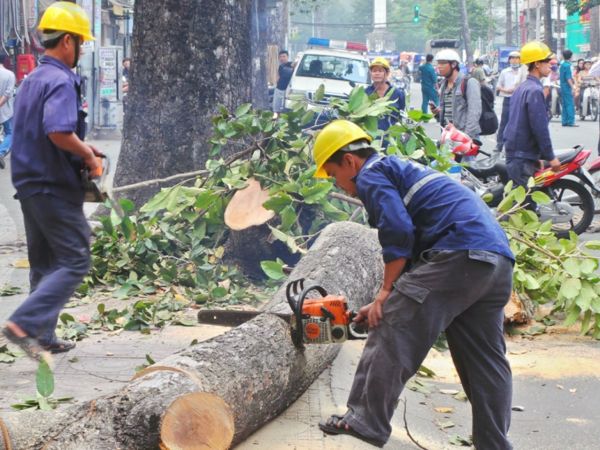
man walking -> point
(460, 98)
(284, 75)
(527, 136)
(47, 158)
(7, 89)
(567, 85)
(428, 84)
(508, 81)
(448, 267)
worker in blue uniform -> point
(526, 136)
(448, 267)
(381, 87)
(48, 156)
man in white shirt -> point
(508, 81)
(7, 87)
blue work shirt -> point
(442, 214)
(565, 75)
(428, 77)
(48, 101)
(396, 96)
(526, 134)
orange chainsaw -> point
(321, 320)
(94, 182)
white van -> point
(338, 70)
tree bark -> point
(509, 26)
(254, 368)
(260, 94)
(188, 56)
(466, 31)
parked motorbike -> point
(571, 207)
(594, 170)
(590, 97)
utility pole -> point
(466, 31)
(509, 25)
(558, 29)
(548, 23)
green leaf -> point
(571, 266)
(586, 295)
(319, 93)
(588, 266)
(243, 109)
(273, 269)
(278, 202)
(218, 292)
(570, 288)
(593, 245)
(540, 197)
(44, 379)
(415, 114)
(572, 316)
(288, 217)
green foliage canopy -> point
(445, 21)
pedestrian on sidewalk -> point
(508, 81)
(284, 75)
(7, 90)
(448, 267)
(428, 84)
(567, 85)
(47, 159)
(527, 135)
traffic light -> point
(416, 11)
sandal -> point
(336, 425)
(28, 344)
(58, 346)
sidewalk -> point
(556, 376)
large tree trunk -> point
(509, 26)
(253, 371)
(188, 56)
(260, 22)
(466, 31)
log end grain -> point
(197, 421)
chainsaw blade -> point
(233, 318)
(95, 187)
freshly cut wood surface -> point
(246, 209)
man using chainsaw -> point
(448, 267)
(48, 156)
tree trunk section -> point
(254, 368)
(260, 93)
(188, 56)
(466, 31)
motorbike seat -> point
(565, 155)
(498, 168)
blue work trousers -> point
(568, 106)
(463, 293)
(7, 141)
(429, 93)
(58, 238)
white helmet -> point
(447, 55)
(514, 54)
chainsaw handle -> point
(357, 331)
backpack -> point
(488, 122)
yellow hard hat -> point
(67, 17)
(332, 138)
(380, 61)
(535, 51)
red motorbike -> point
(571, 207)
(594, 170)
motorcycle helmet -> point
(447, 55)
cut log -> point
(253, 368)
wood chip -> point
(444, 409)
(449, 391)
